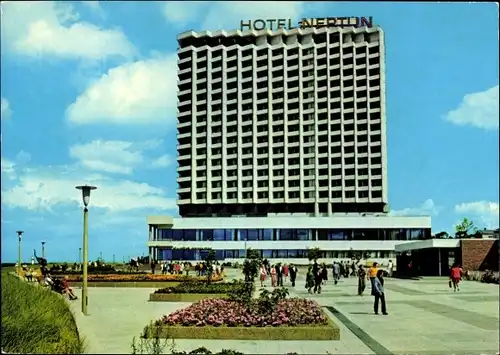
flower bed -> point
(195, 291)
(292, 319)
(183, 297)
(137, 278)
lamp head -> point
(19, 233)
(43, 243)
(86, 193)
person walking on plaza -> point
(336, 272)
(293, 274)
(153, 266)
(378, 285)
(372, 274)
(285, 272)
(390, 268)
(361, 280)
(324, 274)
(262, 275)
(317, 278)
(279, 275)
(310, 279)
(274, 278)
(455, 277)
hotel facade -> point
(281, 141)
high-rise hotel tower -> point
(282, 147)
(281, 122)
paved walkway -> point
(424, 317)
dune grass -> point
(36, 320)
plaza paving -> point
(425, 316)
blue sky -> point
(88, 96)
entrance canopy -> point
(427, 244)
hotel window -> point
(223, 234)
(190, 235)
(207, 234)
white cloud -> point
(5, 110)
(428, 208)
(23, 157)
(44, 188)
(49, 28)
(485, 214)
(181, 13)
(134, 93)
(227, 15)
(162, 162)
(478, 109)
(118, 157)
(8, 168)
(95, 7)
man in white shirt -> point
(390, 268)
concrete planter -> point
(322, 332)
(182, 297)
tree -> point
(209, 261)
(465, 229)
(442, 235)
(314, 254)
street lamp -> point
(86, 199)
(80, 256)
(43, 249)
(19, 267)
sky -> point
(88, 96)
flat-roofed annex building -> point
(281, 122)
(284, 239)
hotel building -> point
(282, 147)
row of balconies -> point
(201, 53)
(273, 199)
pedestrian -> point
(318, 279)
(378, 285)
(336, 272)
(279, 275)
(263, 275)
(390, 268)
(361, 280)
(153, 266)
(285, 272)
(372, 274)
(309, 279)
(293, 274)
(324, 274)
(342, 269)
(455, 277)
(274, 277)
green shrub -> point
(203, 287)
(36, 320)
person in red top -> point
(455, 276)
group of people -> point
(59, 285)
(178, 268)
(278, 273)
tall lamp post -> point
(43, 249)
(80, 256)
(19, 236)
(86, 199)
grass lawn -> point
(36, 321)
